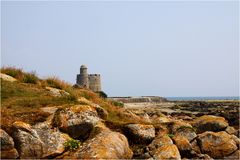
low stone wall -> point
(154, 99)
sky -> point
(158, 48)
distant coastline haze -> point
(158, 48)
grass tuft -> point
(57, 83)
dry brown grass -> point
(56, 83)
(20, 75)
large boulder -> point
(102, 113)
(183, 145)
(28, 143)
(6, 77)
(160, 140)
(57, 92)
(139, 133)
(167, 152)
(233, 156)
(216, 145)
(210, 123)
(53, 140)
(103, 144)
(187, 132)
(162, 147)
(77, 121)
(38, 141)
(174, 126)
(7, 146)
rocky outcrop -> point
(6, 77)
(102, 113)
(57, 92)
(162, 147)
(187, 132)
(77, 121)
(216, 145)
(231, 130)
(139, 133)
(28, 143)
(176, 125)
(39, 141)
(53, 140)
(183, 145)
(7, 146)
(167, 152)
(210, 123)
(103, 144)
(234, 156)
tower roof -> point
(83, 66)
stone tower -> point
(94, 82)
(89, 81)
(82, 78)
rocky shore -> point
(89, 127)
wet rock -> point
(6, 77)
(216, 145)
(77, 121)
(7, 146)
(210, 123)
(140, 133)
(105, 144)
(28, 143)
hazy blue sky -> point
(139, 48)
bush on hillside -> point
(102, 94)
(57, 83)
(30, 78)
(20, 75)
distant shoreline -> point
(202, 98)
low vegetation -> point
(72, 144)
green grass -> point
(170, 135)
(72, 144)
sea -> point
(202, 98)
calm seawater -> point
(202, 98)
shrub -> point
(57, 83)
(170, 135)
(102, 94)
(30, 78)
(12, 71)
(116, 103)
(72, 144)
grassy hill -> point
(23, 99)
